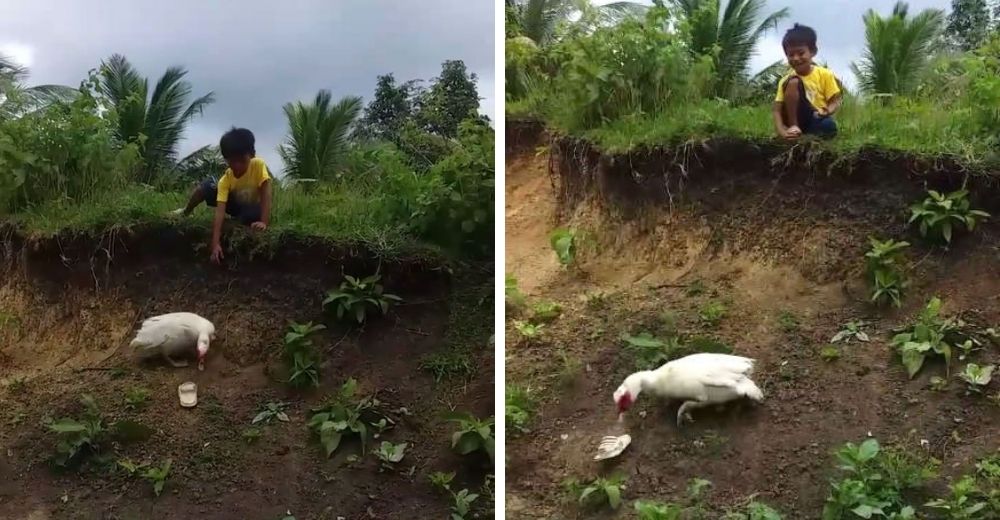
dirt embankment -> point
(777, 238)
(70, 305)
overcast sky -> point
(839, 27)
(256, 55)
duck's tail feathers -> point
(748, 388)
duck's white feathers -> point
(704, 377)
(174, 334)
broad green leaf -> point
(868, 449)
(66, 426)
(912, 360)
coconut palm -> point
(729, 35)
(156, 122)
(898, 49)
(538, 19)
(12, 77)
(319, 134)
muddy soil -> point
(782, 251)
(70, 306)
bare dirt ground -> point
(67, 319)
(784, 259)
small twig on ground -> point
(415, 331)
(341, 340)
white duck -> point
(174, 334)
(699, 380)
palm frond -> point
(319, 135)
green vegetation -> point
(542, 312)
(300, 356)
(343, 415)
(157, 476)
(937, 215)
(105, 156)
(390, 454)
(271, 411)
(596, 78)
(563, 242)
(136, 398)
(513, 297)
(519, 405)
(651, 352)
(852, 330)
(598, 493)
(788, 321)
(884, 266)
(357, 297)
(829, 353)
(79, 437)
(473, 434)
(976, 376)
(929, 335)
(529, 331)
(693, 508)
(712, 312)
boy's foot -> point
(180, 211)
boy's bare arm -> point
(834, 104)
(779, 124)
(265, 203)
(220, 216)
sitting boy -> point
(243, 192)
(808, 95)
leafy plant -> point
(649, 351)
(452, 362)
(299, 355)
(600, 492)
(963, 502)
(656, 511)
(357, 296)
(712, 312)
(563, 242)
(542, 312)
(976, 376)
(136, 398)
(158, 476)
(788, 321)
(512, 294)
(389, 454)
(528, 331)
(938, 214)
(927, 336)
(695, 288)
(851, 330)
(519, 405)
(938, 383)
(462, 504)
(79, 437)
(343, 415)
(873, 482)
(270, 411)
(441, 480)
(251, 435)
(472, 435)
(829, 353)
(884, 268)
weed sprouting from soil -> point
(473, 434)
(342, 415)
(520, 404)
(358, 297)
(544, 312)
(788, 321)
(850, 331)
(977, 377)
(390, 454)
(712, 312)
(563, 242)
(928, 335)
(300, 356)
(82, 436)
(885, 271)
(136, 398)
(938, 214)
(598, 493)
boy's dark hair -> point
(237, 142)
(798, 36)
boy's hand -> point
(822, 112)
(792, 132)
(216, 254)
(258, 226)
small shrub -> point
(563, 242)
(964, 501)
(977, 377)
(884, 269)
(452, 362)
(271, 411)
(829, 353)
(543, 312)
(343, 415)
(874, 481)
(441, 480)
(711, 313)
(513, 296)
(462, 504)
(788, 321)
(157, 476)
(390, 454)
(519, 405)
(472, 435)
(851, 330)
(647, 510)
(599, 493)
(79, 437)
(136, 398)
(927, 336)
(938, 214)
(356, 298)
(251, 435)
(299, 355)
(528, 331)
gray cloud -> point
(256, 55)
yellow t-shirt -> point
(821, 86)
(245, 189)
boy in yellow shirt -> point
(243, 192)
(808, 95)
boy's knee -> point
(792, 84)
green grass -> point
(336, 215)
(918, 127)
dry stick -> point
(341, 340)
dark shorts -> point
(246, 213)
(809, 122)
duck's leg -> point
(177, 364)
(684, 412)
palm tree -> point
(12, 77)
(155, 122)
(318, 135)
(730, 36)
(898, 49)
(538, 19)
